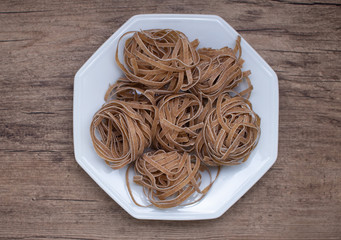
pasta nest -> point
(178, 122)
(160, 59)
(231, 131)
(169, 178)
(122, 134)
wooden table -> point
(44, 194)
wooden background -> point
(44, 194)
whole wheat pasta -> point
(160, 59)
(220, 71)
(122, 133)
(125, 90)
(143, 101)
(178, 122)
(169, 178)
(231, 131)
(175, 114)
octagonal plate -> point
(94, 77)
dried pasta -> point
(221, 69)
(123, 135)
(169, 178)
(160, 59)
(178, 126)
(175, 115)
(231, 131)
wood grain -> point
(44, 194)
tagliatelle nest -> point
(220, 71)
(231, 131)
(143, 101)
(169, 178)
(122, 133)
(160, 59)
(179, 126)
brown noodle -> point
(169, 178)
(183, 103)
(231, 131)
(178, 128)
(221, 70)
(123, 134)
(160, 59)
(143, 101)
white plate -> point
(94, 77)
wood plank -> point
(44, 194)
